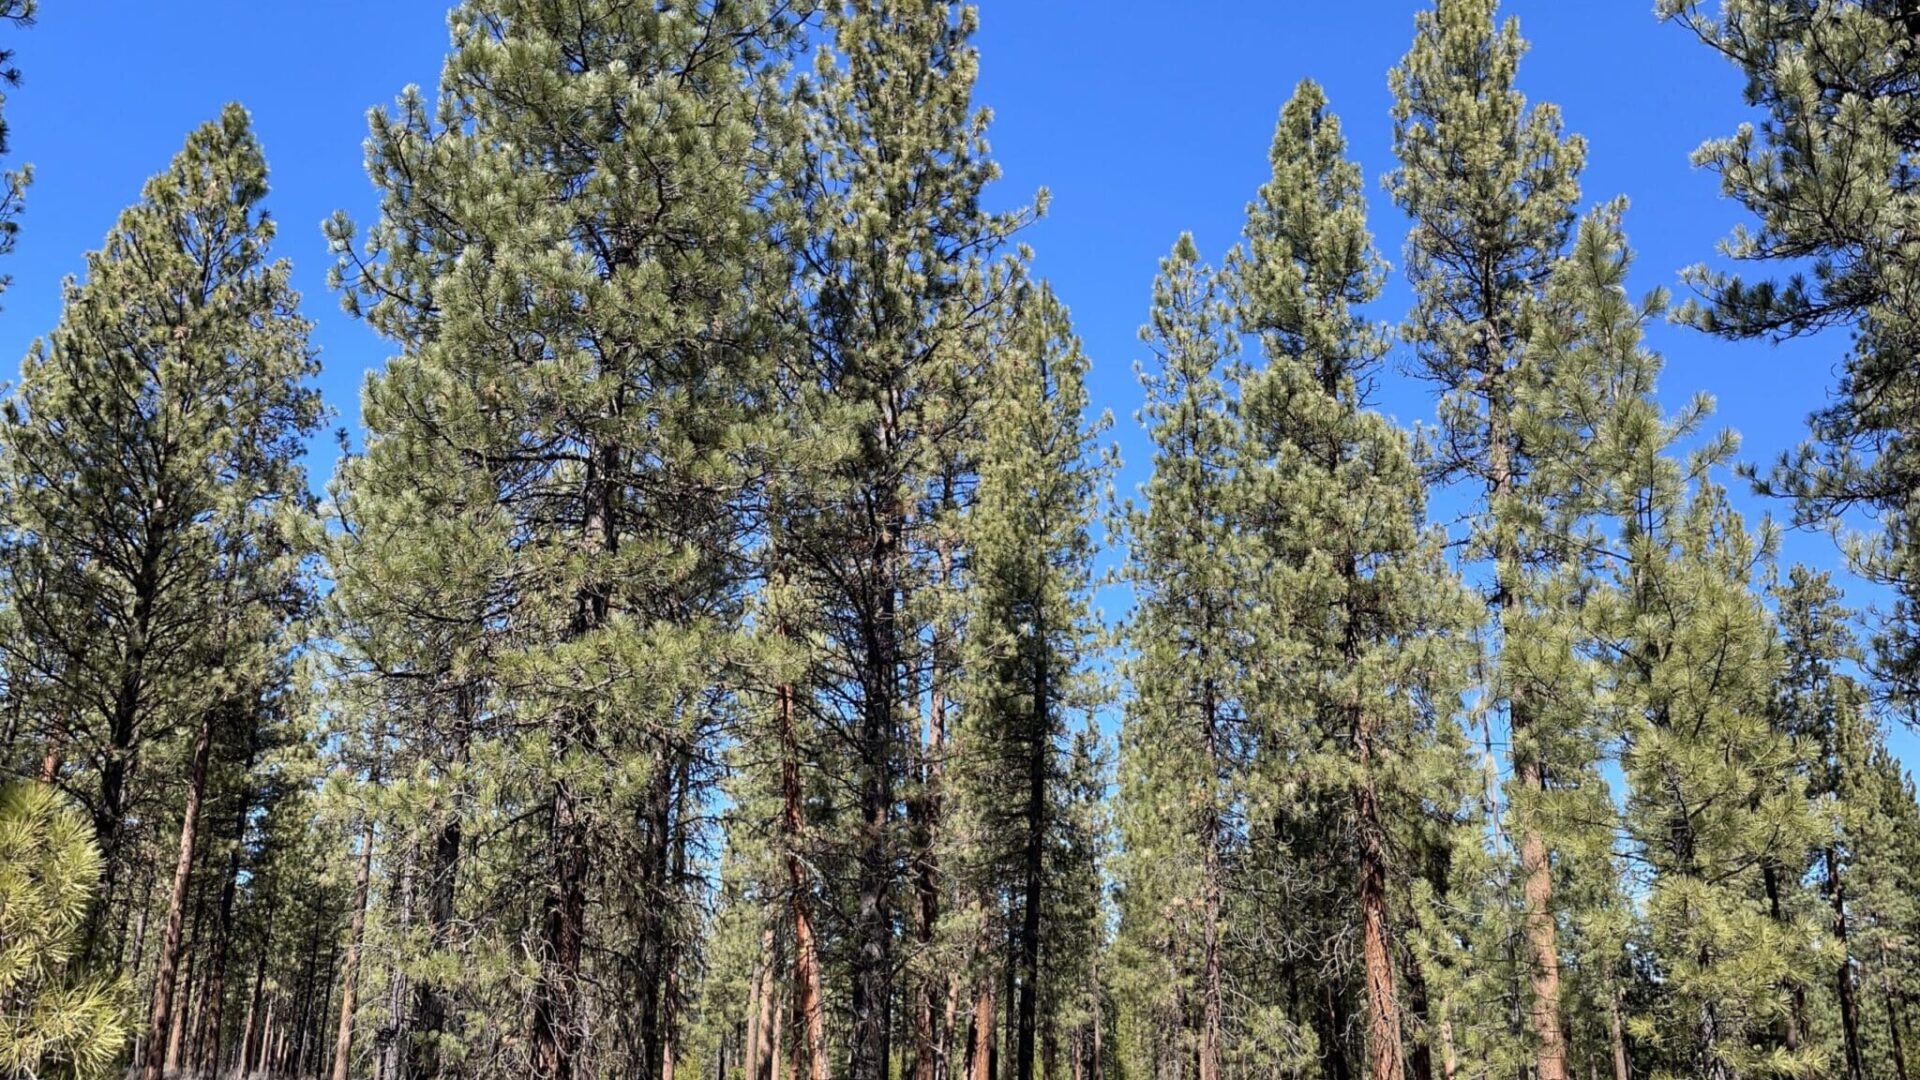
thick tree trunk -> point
(980, 1050)
(350, 977)
(160, 1016)
(1384, 1058)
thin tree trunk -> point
(191, 946)
(1210, 899)
(1843, 974)
(160, 1016)
(1617, 1036)
(1893, 1032)
(760, 1006)
(806, 960)
(432, 1006)
(1040, 745)
(777, 1064)
(929, 1056)
(350, 975)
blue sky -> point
(1144, 119)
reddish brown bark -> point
(160, 1016)
(812, 1044)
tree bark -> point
(1039, 757)
(557, 1007)
(1617, 1036)
(812, 1040)
(160, 1016)
(1843, 974)
(980, 1046)
(1384, 1058)
(350, 973)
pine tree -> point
(1183, 747)
(13, 183)
(1362, 627)
(49, 869)
(895, 271)
(1032, 634)
(1490, 185)
(566, 252)
(1715, 799)
(1827, 174)
(153, 484)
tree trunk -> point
(192, 946)
(1893, 1032)
(1843, 974)
(557, 1007)
(160, 1016)
(432, 1005)
(1384, 1060)
(760, 1010)
(1210, 899)
(123, 729)
(812, 1033)
(980, 1045)
(350, 975)
(1617, 1036)
(929, 1042)
(873, 920)
(1040, 745)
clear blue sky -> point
(1143, 119)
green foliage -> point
(49, 870)
(1827, 173)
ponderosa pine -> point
(152, 481)
(1489, 184)
(565, 255)
(1827, 173)
(1363, 628)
